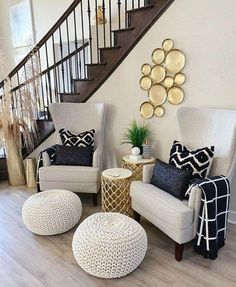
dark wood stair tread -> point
(110, 48)
(83, 80)
(124, 29)
(140, 9)
(96, 64)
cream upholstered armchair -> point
(198, 127)
(76, 118)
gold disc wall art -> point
(163, 79)
(157, 94)
(175, 95)
(175, 61)
(147, 110)
(146, 69)
(158, 56)
(159, 111)
(179, 79)
(158, 74)
(167, 45)
(145, 83)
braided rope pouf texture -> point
(51, 212)
(109, 245)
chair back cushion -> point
(79, 117)
(210, 127)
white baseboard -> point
(232, 217)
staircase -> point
(80, 52)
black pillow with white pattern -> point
(84, 139)
(198, 161)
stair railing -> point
(64, 53)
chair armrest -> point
(97, 158)
(147, 172)
(46, 159)
(195, 203)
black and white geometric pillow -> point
(198, 161)
(83, 139)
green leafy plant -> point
(137, 134)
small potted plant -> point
(137, 134)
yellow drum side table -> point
(116, 191)
(136, 166)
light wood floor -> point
(35, 261)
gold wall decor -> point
(163, 79)
(100, 18)
(147, 110)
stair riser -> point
(95, 72)
(70, 99)
(124, 37)
(109, 56)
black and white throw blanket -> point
(213, 215)
(51, 151)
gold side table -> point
(116, 191)
(136, 166)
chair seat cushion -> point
(68, 173)
(162, 205)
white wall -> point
(205, 31)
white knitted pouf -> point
(109, 245)
(51, 212)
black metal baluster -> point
(69, 61)
(110, 25)
(126, 17)
(83, 40)
(62, 66)
(54, 70)
(76, 47)
(97, 37)
(80, 65)
(47, 92)
(41, 83)
(132, 4)
(90, 33)
(104, 22)
(118, 5)
(49, 77)
(138, 3)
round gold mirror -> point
(167, 45)
(158, 74)
(159, 112)
(175, 95)
(175, 61)
(168, 82)
(179, 79)
(157, 94)
(147, 110)
(158, 56)
(146, 69)
(145, 83)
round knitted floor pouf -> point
(52, 212)
(109, 245)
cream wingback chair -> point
(198, 127)
(76, 118)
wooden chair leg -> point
(95, 199)
(137, 216)
(179, 249)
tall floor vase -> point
(15, 166)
